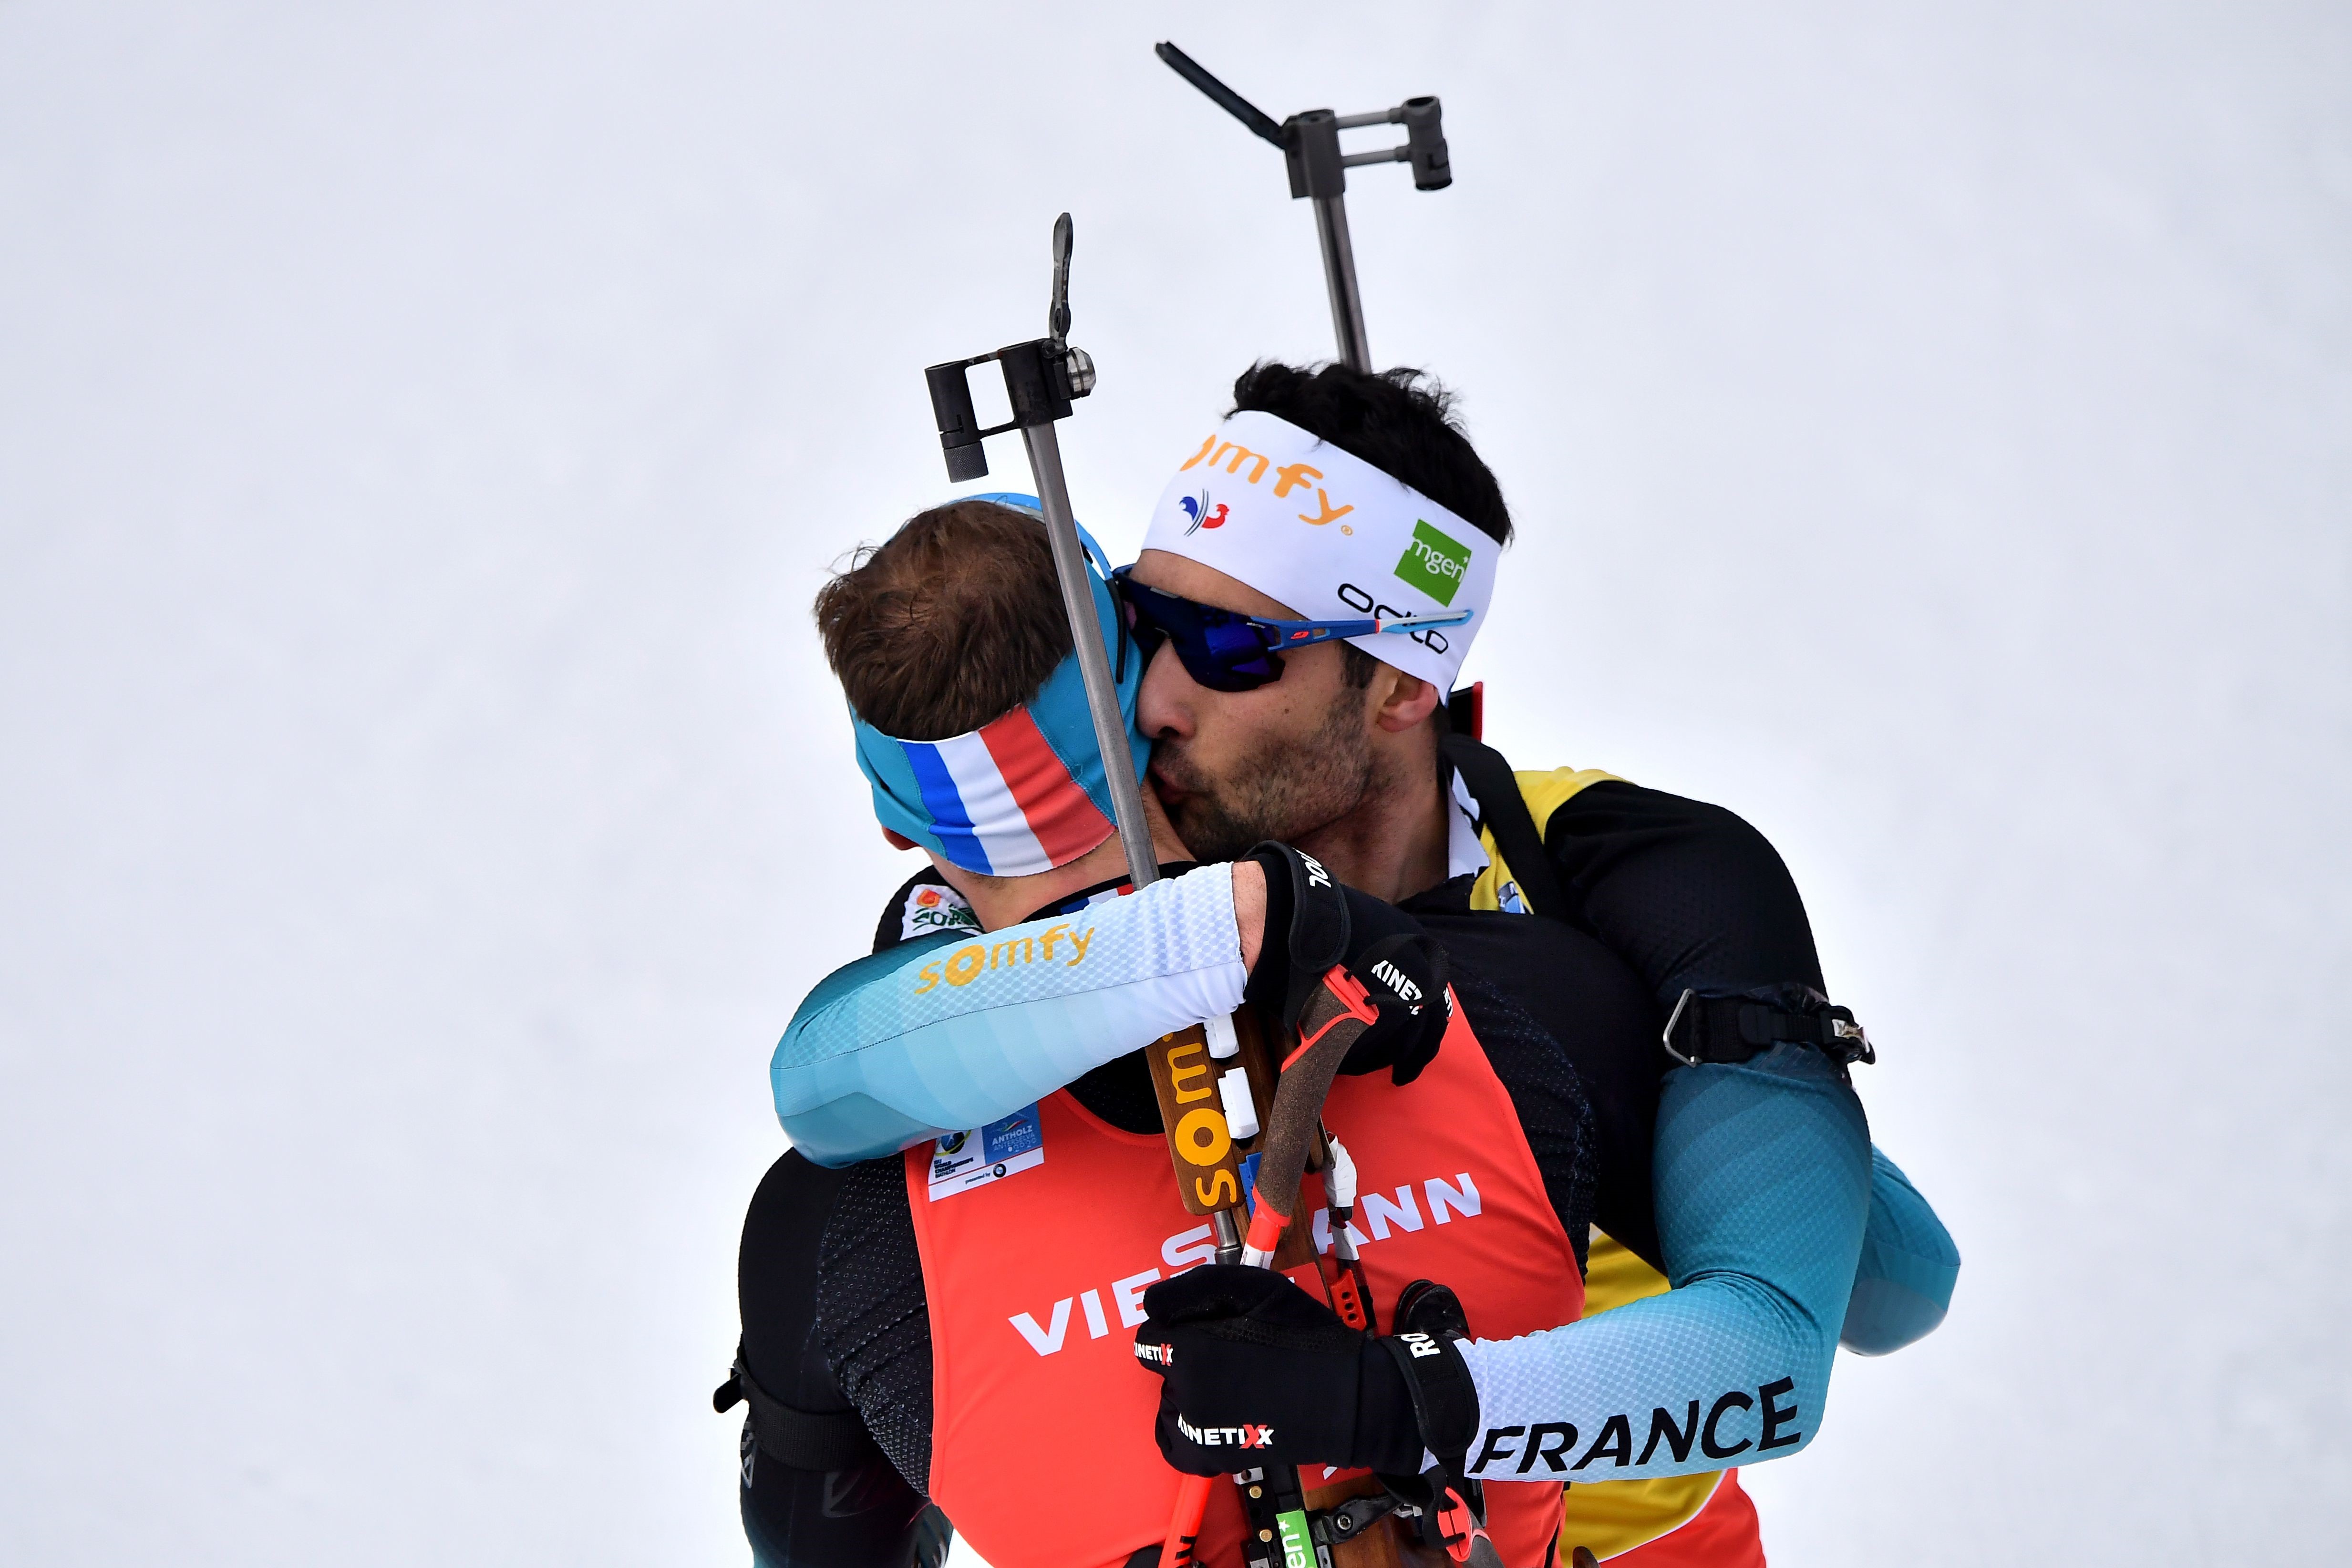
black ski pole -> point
(1319, 170)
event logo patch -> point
(1434, 563)
(932, 907)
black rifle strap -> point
(1710, 1028)
(821, 1441)
(1715, 1028)
(1503, 812)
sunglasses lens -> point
(1232, 658)
(1219, 649)
(1146, 631)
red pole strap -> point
(1266, 1227)
(1355, 1002)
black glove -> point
(1312, 922)
(1255, 1371)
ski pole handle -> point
(1335, 1017)
(1340, 1012)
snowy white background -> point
(422, 427)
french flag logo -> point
(1002, 802)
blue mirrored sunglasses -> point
(1225, 650)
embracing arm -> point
(1903, 1284)
(1763, 1176)
(961, 1030)
(1691, 895)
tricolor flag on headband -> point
(1026, 791)
(1002, 802)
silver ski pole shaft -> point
(1339, 276)
(1093, 659)
(1041, 378)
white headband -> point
(1331, 536)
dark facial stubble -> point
(1284, 788)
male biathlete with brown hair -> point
(1743, 1177)
(953, 1325)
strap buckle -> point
(1846, 1030)
(1666, 1037)
(1729, 1030)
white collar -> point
(1465, 855)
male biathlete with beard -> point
(953, 1325)
(1746, 1175)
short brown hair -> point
(953, 620)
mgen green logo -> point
(1434, 563)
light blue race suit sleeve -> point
(966, 1028)
(1763, 1174)
(1903, 1284)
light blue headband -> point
(1026, 791)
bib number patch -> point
(962, 1161)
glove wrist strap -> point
(1318, 935)
(1445, 1399)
